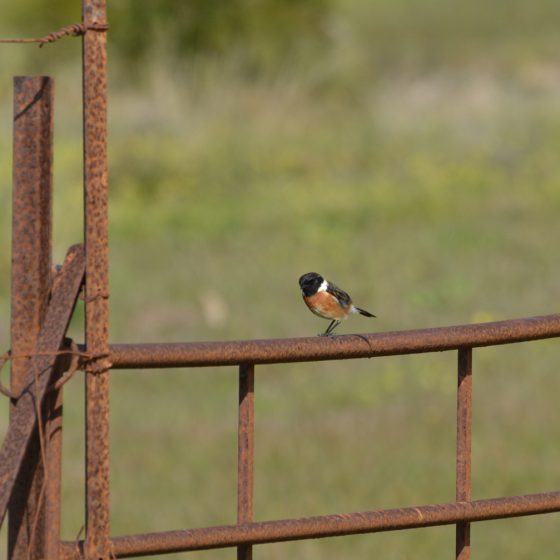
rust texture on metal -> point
(31, 267)
(24, 421)
(97, 278)
(464, 429)
(53, 440)
(199, 354)
(245, 452)
(326, 526)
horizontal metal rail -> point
(201, 354)
(325, 526)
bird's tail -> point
(364, 312)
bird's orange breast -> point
(326, 306)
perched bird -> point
(326, 300)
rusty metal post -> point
(24, 422)
(31, 273)
(97, 274)
(245, 453)
(53, 438)
(464, 425)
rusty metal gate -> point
(43, 359)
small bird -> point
(327, 300)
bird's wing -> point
(342, 297)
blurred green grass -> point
(415, 163)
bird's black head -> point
(310, 282)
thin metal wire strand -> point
(72, 30)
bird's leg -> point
(331, 327)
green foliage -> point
(39, 17)
(265, 32)
(272, 35)
(260, 33)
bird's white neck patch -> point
(323, 286)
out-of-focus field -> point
(414, 161)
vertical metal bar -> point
(31, 272)
(464, 425)
(96, 296)
(53, 438)
(245, 452)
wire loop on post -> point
(72, 30)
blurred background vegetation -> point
(406, 149)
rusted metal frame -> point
(97, 275)
(200, 354)
(23, 423)
(463, 467)
(326, 526)
(31, 279)
(245, 453)
(53, 439)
